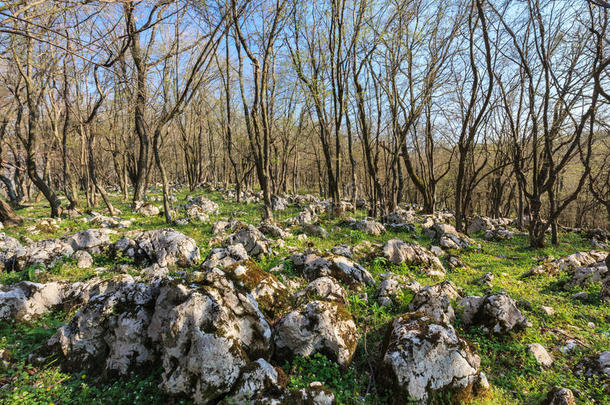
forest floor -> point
(512, 371)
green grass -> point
(513, 373)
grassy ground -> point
(513, 373)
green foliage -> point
(305, 370)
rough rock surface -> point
(251, 239)
(278, 203)
(323, 288)
(448, 237)
(398, 217)
(224, 257)
(83, 259)
(435, 302)
(166, 247)
(26, 300)
(573, 261)
(258, 379)
(273, 230)
(271, 295)
(147, 209)
(339, 267)
(498, 234)
(315, 230)
(370, 227)
(422, 357)
(45, 253)
(391, 286)
(204, 205)
(540, 354)
(398, 252)
(109, 334)
(203, 334)
(559, 396)
(221, 226)
(89, 239)
(324, 327)
(582, 276)
(495, 313)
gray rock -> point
(495, 313)
(225, 256)
(391, 286)
(435, 302)
(251, 239)
(90, 238)
(166, 247)
(421, 357)
(83, 259)
(398, 252)
(146, 209)
(315, 230)
(340, 268)
(323, 288)
(370, 227)
(559, 396)
(540, 354)
(25, 300)
(319, 326)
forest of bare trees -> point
(485, 107)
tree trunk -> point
(8, 215)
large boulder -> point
(423, 358)
(339, 267)
(568, 263)
(399, 217)
(146, 209)
(26, 300)
(435, 302)
(559, 396)
(271, 295)
(398, 252)
(89, 239)
(448, 237)
(582, 276)
(323, 288)
(496, 313)
(44, 253)
(479, 224)
(315, 230)
(278, 203)
(109, 334)
(370, 227)
(203, 335)
(392, 286)
(273, 230)
(204, 205)
(166, 247)
(225, 256)
(251, 239)
(318, 327)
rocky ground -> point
(221, 308)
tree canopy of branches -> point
(493, 107)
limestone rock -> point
(495, 313)
(251, 239)
(370, 227)
(422, 358)
(540, 354)
(225, 256)
(323, 288)
(398, 252)
(319, 326)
